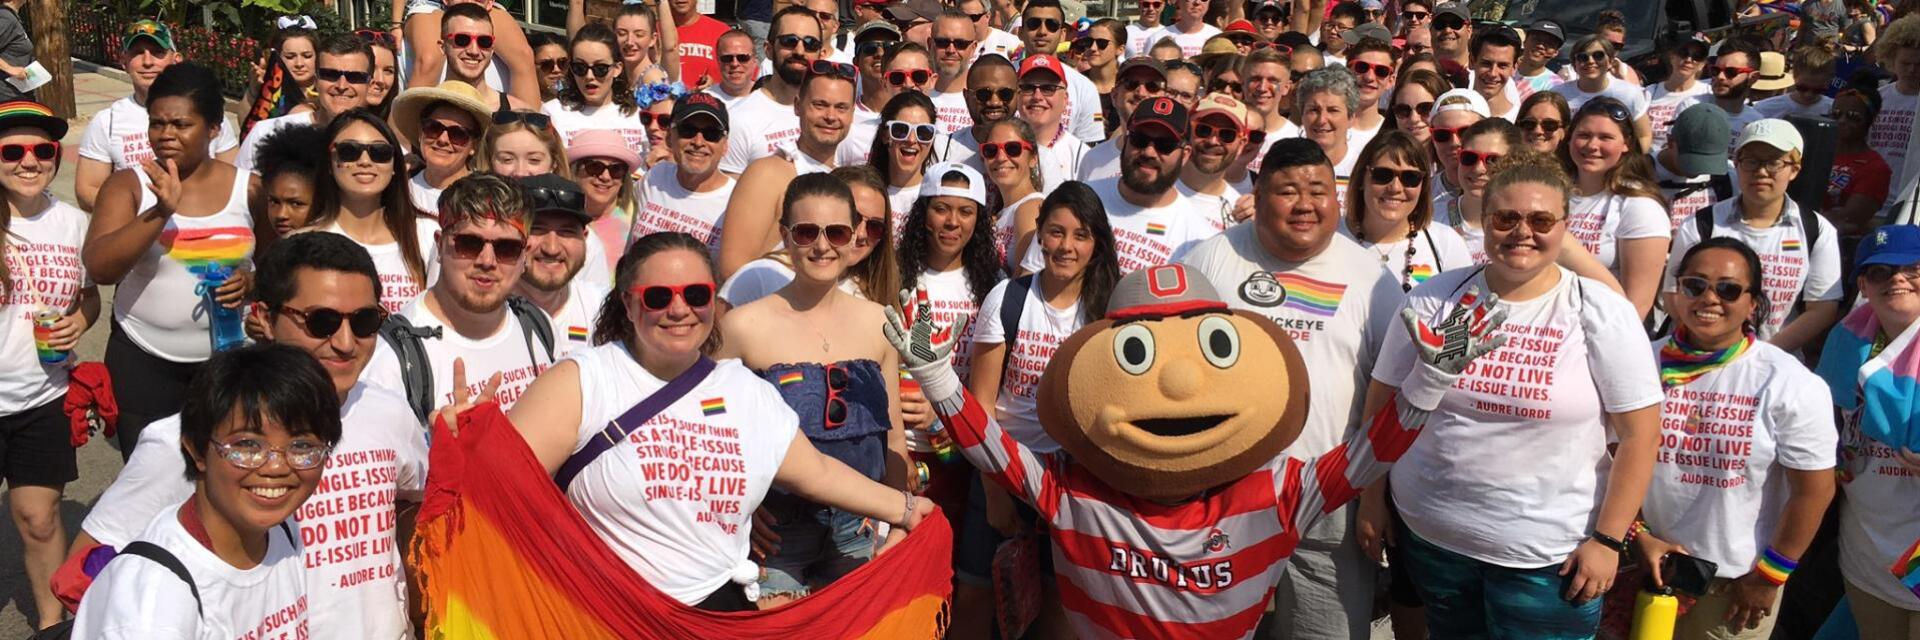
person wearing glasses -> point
(467, 43)
(1494, 53)
(816, 344)
(1452, 33)
(1345, 17)
(1530, 73)
(1013, 168)
(1514, 515)
(1221, 131)
(737, 67)
(443, 123)
(422, 60)
(1682, 89)
(116, 138)
(872, 274)
(991, 39)
(550, 57)
(233, 565)
(1138, 80)
(1099, 61)
(343, 73)
(825, 108)
(1543, 121)
(871, 44)
(1452, 113)
(1592, 64)
(906, 68)
(991, 97)
(769, 117)
(556, 253)
(384, 86)
(1154, 222)
(1391, 213)
(903, 148)
(598, 96)
(1746, 461)
(1616, 210)
(1860, 180)
(1803, 265)
(1412, 99)
(364, 196)
(319, 294)
(1813, 68)
(1043, 100)
(1141, 33)
(1733, 75)
(1043, 26)
(689, 193)
(603, 166)
(1370, 58)
(953, 53)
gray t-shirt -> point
(16, 48)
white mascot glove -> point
(924, 348)
(1466, 334)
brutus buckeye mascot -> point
(1172, 510)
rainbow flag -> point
(277, 97)
(202, 249)
(500, 553)
(1308, 295)
(1790, 244)
(1156, 229)
(577, 334)
(1907, 568)
(1421, 272)
(713, 406)
(791, 378)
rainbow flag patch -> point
(577, 334)
(1156, 229)
(791, 378)
(1790, 244)
(1311, 296)
(713, 406)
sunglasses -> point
(871, 48)
(1449, 23)
(648, 119)
(830, 68)
(41, 151)
(1850, 114)
(322, 323)
(593, 167)
(1269, 17)
(464, 40)
(248, 453)
(710, 134)
(1151, 6)
(735, 58)
(326, 74)
(467, 246)
(900, 77)
(1255, 138)
(807, 233)
(1047, 90)
(533, 119)
(1474, 158)
(1382, 175)
(1729, 72)
(1040, 24)
(554, 65)
(1004, 94)
(456, 135)
(1546, 126)
(1013, 149)
(836, 405)
(550, 199)
(599, 69)
(1444, 135)
(1159, 144)
(976, 17)
(1590, 57)
(872, 228)
(952, 43)
(1504, 221)
(1134, 84)
(1696, 286)
(1361, 68)
(697, 295)
(1404, 111)
(809, 44)
(1417, 16)
(901, 131)
(1224, 86)
(1882, 273)
(347, 151)
(1226, 135)
(1096, 44)
(374, 36)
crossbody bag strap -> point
(618, 429)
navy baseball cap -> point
(1895, 244)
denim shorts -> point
(818, 545)
(1467, 598)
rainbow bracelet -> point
(1775, 567)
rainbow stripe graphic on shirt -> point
(791, 378)
(713, 406)
(1156, 229)
(1790, 244)
(1312, 296)
(1907, 568)
(1420, 273)
(577, 334)
(203, 249)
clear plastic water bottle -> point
(226, 327)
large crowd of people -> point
(1707, 385)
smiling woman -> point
(443, 124)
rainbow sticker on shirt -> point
(791, 378)
(1420, 273)
(577, 334)
(1156, 229)
(1790, 244)
(203, 250)
(1311, 296)
(1907, 568)
(713, 406)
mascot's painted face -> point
(1167, 407)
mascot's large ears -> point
(1174, 394)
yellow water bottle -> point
(1654, 614)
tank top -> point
(1003, 228)
(158, 304)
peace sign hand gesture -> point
(464, 400)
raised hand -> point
(164, 181)
(920, 342)
(1466, 334)
(462, 399)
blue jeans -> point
(818, 545)
(1467, 598)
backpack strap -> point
(533, 325)
(1722, 187)
(1703, 222)
(416, 374)
(1013, 303)
(166, 559)
(617, 430)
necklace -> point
(1406, 268)
(826, 345)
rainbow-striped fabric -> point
(277, 97)
(1907, 568)
(1309, 295)
(1884, 387)
(500, 553)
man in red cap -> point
(1219, 134)
(1043, 26)
(1042, 102)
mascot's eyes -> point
(1133, 349)
(1219, 341)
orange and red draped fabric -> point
(500, 553)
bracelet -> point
(1634, 531)
(1608, 541)
(907, 513)
(1775, 567)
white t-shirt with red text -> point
(118, 136)
(1663, 105)
(1601, 221)
(1042, 328)
(134, 597)
(952, 111)
(1513, 465)
(569, 122)
(1726, 439)
(1791, 270)
(1143, 236)
(1216, 209)
(760, 126)
(1878, 521)
(951, 295)
(42, 252)
(573, 325)
(676, 498)
(1892, 131)
(510, 352)
(664, 205)
(398, 288)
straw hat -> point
(413, 103)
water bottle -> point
(1654, 612)
(226, 327)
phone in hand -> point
(1687, 574)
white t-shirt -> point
(1060, 162)
(397, 286)
(962, 148)
(1435, 250)
(1216, 209)
(1718, 486)
(134, 597)
(999, 42)
(763, 276)
(1102, 161)
(1144, 237)
(1190, 43)
(900, 200)
(425, 196)
(1083, 116)
(1628, 94)
(1335, 307)
(1792, 270)
(952, 107)
(1512, 467)
(760, 126)
(664, 205)
(1699, 191)
(1738, 121)
(1877, 520)
(118, 136)
(726, 99)
(1042, 329)
(1601, 221)
(1140, 38)
(858, 145)
(510, 352)
(676, 498)
(1003, 228)
(157, 303)
(43, 258)
(951, 295)
(570, 122)
(573, 325)
(1666, 104)
(1446, 210)
(1782, 105)
(250, 148)
(1892, 131)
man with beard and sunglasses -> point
(824, 108)
(320, 293)
(342, 70)
(1682, 88)
(467, 42)
(1219, 135)
(468, 325)
(738, 68)
(1152, 223)
(556, 250)
(1733, 73)
(1138, 79)
(991, 91)
(1043, 26)
(690, 193)
(953, 48)
(767, 116)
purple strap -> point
(617, 430)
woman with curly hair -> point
(947, 249)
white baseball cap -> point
(933, 183)
(1772, 132)
(1460, 100)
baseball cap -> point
(549, 192)
(1455, 9)
(1893, 244)
(1773, 74)
(1161, 291)
(1264, 5)
(1459, 100)
(700, 104)
(1547, 28)
(1772, 132)
(150, 29)
(1372, 5)
(1041, 62)
(1222, 104)
(1240, 25)
(869, 3)
(1366, 31)
(1159, 68)
(873, 26)
(1160, 111)
(933, 183)
(1699, 135)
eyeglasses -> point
(806, 233)
(1012, 148)
(1254, 138)
(872, 228)
(1410, 110)
(648, 119)
(1469, 158)
(554, 65)
(1695, 54)
(326, 74)
(1040, 24)
(697, 295)
(1045, 89)
(591, 167)
(550, 199)
(831, 68)
(1159, 144)
(375, 36)
(1185, 97)
(735, 58)
(1004, 94)
(464, 40)
(1882, 273)
(901, 131)
(1151, 6)
(346, 151)
(1362, 67)
(533, 119)
(1729, 72)
(467, 246)
(1858, 115)
(599, 69)
(688, 131)
(976, 17)
(1546, 126)
(825, 16)
(1134, 84)
(143, 28)
(1590, 57)
(1417, 17)
(1755, 165)
(952, 43)
(1269, 17)
(1226, 135)
(1384, 175)
(808, 43)
(248, 453)
(1449, 23)
(322, 323)
(1296, 74)
(1445, 135)
(900, 77)
(871, 48)
(1182, 64)
(1504, 221)
(1224, 86)
(41, 151)
(456, 135)
(1695, 286)
(1096, 44)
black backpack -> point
(410, 345)
(63, 630)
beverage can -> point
(43, 323)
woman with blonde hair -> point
(523, 143)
